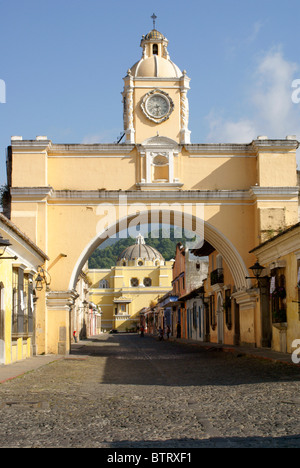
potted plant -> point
(280, 292)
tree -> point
(103, 258)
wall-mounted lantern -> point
(257, 270)
(4, 243)
(42, 278)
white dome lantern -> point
(155, 62)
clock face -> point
(157, 106)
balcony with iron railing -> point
(217, 276)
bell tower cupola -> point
(155, 94)
(155, 44)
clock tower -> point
(155, 95)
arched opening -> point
(211, 234)
(103, 284)
(160, 169)
(135, 281)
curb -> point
(18, 369)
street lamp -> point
(4, 243)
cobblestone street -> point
(124, 391)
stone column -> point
(128, 111)
(184, 111)
(59, 304)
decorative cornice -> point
(154, 79)
(31, 192)
(159, 185)
(122, 300)
(275, 145)
(228, 149)
(201, 150)
(151, 196)
(258, 191)
(59, 300)
(158, 142)
(28, 145)
(200, 196)
(246, 298)
(242, 150)
(92, 150)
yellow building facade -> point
(140, 277)
(280, 257)
(21, 313)
(222, 315)
(69, 198)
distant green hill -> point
(106, 257)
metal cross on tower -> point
(154, 17)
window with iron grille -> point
(30, 305)
(15, 301)
(18, 304)
(134, 282)
(147, 282)
(217, 276)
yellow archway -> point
(211, 234)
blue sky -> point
(63, 61)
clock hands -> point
(157, 109)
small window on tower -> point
(147, 282)
(155, 49)
(134, 282)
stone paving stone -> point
(124, 391)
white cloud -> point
(272, 94)
(255, 31)
(270, 110)
(228, 131)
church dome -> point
(157, 67)
(140, 251)
(154, 34)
